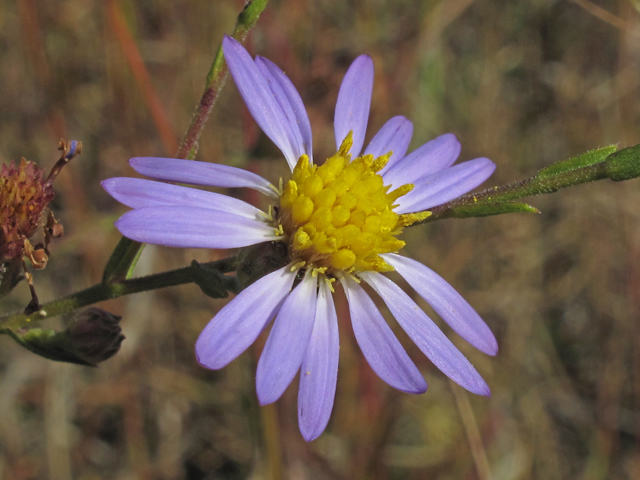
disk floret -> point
(339, 216)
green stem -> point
(102, 291)
(618, 166)
(215, 80)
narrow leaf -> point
(583, 160)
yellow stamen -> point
(411, 218)
(339, 216)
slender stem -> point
(269, 417)
(215, 80)
(103, 291)
(473, 432)
(535, 185)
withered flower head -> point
(24, 194)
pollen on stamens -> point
(339, 217)
(330, 281)
(298, 265)
(318, 271)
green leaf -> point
(583, 160)
(123, 260)
(494, 209)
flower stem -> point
(215, 80)
(108, 291)
(591, 166)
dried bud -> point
(37, 255)
(96, 335)
(93, 336)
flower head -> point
(340, 223)
(25, 194)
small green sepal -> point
(123, 261)
(212, 282)
(259, 260)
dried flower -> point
(24, 195)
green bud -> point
(93, 336)
(624, 164)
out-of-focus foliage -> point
(523, 83)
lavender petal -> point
(394, 136)
(259, 98)
(287, 343)
(200, 173)
(445, 185)
(140, 193)
(289, 100)
(193, 227)
(354, 102)
(447, 303)
(426, 335)
(239, 323)
(432, 157)
(379, 345)
(319, 372)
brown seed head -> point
(24, 195)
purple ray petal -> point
(394, 136)
(447, 303)
(200, 173)
(319, 372)
(426, 335)
(140, 193)
(239, 323)
(379, 345)
(193, 227)
(354, 101)
(446, 185)
(288, 341)
(259, 98)
(289, 100)
(432, 157)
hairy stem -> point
(108, 291)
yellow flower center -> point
(339, 216)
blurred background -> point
(523, 83)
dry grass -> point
(523, 83)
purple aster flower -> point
(340, 222)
